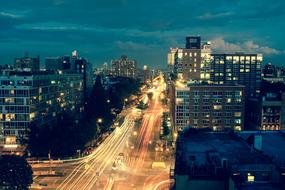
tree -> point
(98, 107)
(15, 173)
(165, 127)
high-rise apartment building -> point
(191, 62)
(73, 64)
(27, 98)
(201, 105)
(238, 68)
(124, 67)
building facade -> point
(268, 111)
(27, 98)
(217, 107)
(238, 68)
(124, 67)
(73, 64)
(27, 63)
(191, 62)
(224, 161)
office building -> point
(27, 98)
(200, 105)
(124, 67)
(27, 63)
(238, 68)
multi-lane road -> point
(124, 159)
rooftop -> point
(209, 148)
(273, 144)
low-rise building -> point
(224, 161)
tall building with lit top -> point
(191, 62)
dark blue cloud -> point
(102, 30)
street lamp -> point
(99, 120)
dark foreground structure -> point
(224, 161)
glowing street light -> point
(99, 120)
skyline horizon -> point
(102, 30)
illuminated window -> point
(237, 128)
(218, 107)
(10, 140)
(237, 114)
(238, 121)
(32, 116)
(238, 100)
(250, 178)
(9, 100)
(229, 100)
(10, 117)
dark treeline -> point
(66, 135)
(15, 173)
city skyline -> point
(101, 30)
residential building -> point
(191, 62)
(238, 68)
(201, 105)
(58, 63)
(144, 74)
(27, 98)
(73, 64)
(269, 143)
(224, 161)
(268, 111)
(82, 66)
(27, 63)
(124, 67)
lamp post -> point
(78, 151)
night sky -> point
(102, 30)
